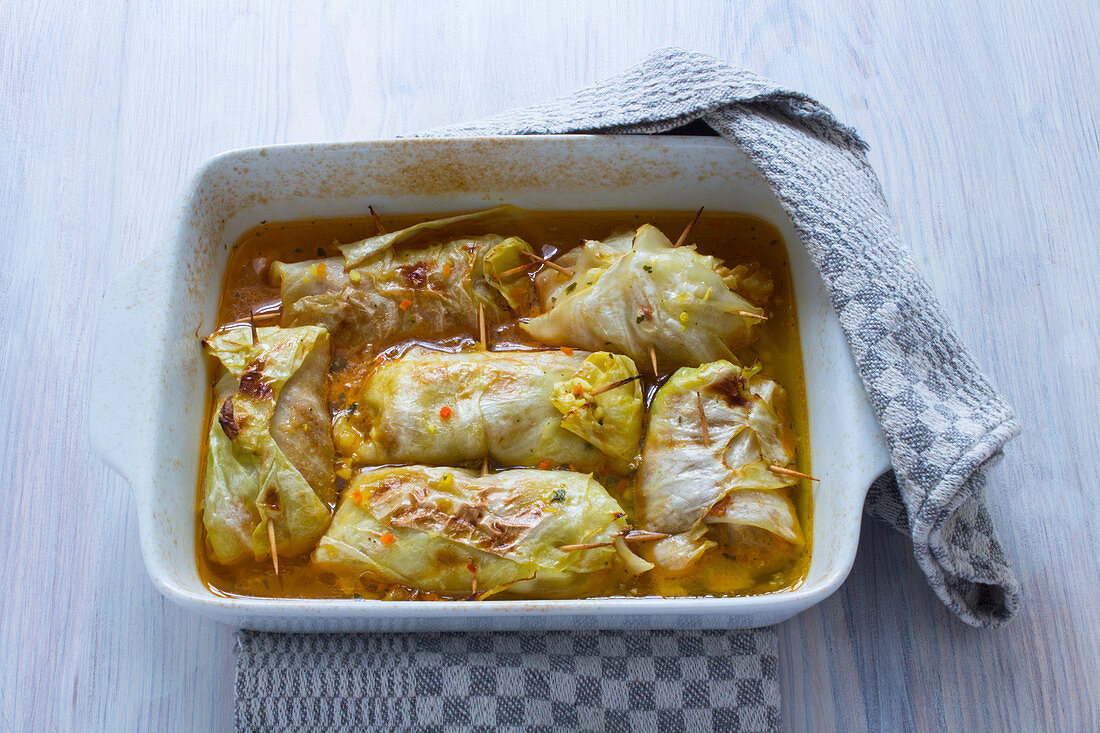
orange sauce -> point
(734, 238)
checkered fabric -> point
(586, 680)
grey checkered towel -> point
(944, 424)
(560, 680)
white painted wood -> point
(982, 119)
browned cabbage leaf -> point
(637, 291)
(378, 292)
(448, 526)
(715, 474)
(270, 457)
(447, 408)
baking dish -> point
(149, 387)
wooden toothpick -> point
(613, 385)
(634, 535)
(267, 314)
(377, 220)
(750, 314)
(586, 546)
(687, 229)
(481, 326)
(271, 539)
(643, 535)
(516, 270)
(547, 262)
(791, 472)
(653, 358)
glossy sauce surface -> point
(733, 238)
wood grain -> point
(982, 119)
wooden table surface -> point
(982, 125)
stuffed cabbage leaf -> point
(270, 443)
(379, 293)
(450, 530)
(447, 408)
(713, 433)
(637, 291)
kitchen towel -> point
(665, 681)
(944, 423)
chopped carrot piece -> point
(567, 350)
(619, 487)
(578, 390)
(388, 539)
(357, 496)
(472, 568)
(545, 465)
(404, 304)
(444, 412)
(446, 269)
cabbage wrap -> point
(271, 451)
(445, 408)
(637, 291)
(695, 475)
(439, 529)
(378, 292)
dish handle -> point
(879, 457)
(121, 381)
(871, 451)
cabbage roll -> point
(446, 408)
(698, 474)
(271, 451)
(637, 291)
(376, 292)
(440, 529)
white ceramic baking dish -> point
(149, 385)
